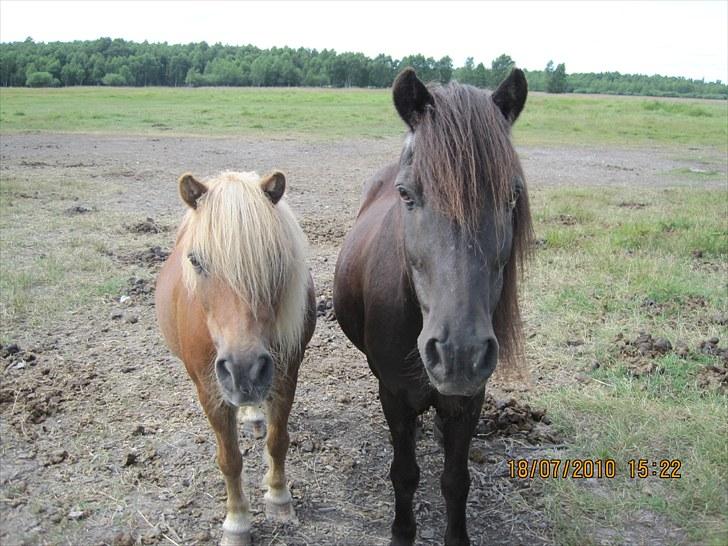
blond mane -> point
(258, 249)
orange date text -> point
(561, 468)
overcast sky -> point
(660, 37)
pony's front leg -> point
(458, 420)
(236, 527)
(278, 499)
(404, 472)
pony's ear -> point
(411, 97)
(274, 186)
(191, 190)
(511, 95)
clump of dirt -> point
(325, 309)
(710, 347)
(26, 163)
(78, 209)
(703, 261)
(641, 351)
(631, 205)
(140, 287)
(31, 404)
(16, 358)
(644, 345)
(149, 225)
(714, 378)
(151, 257)
(685, 305)
(719, 318)
(509, 417)
(566, 220)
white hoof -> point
(236, 529)
(235, 539)
(280, 513)
(279, 506)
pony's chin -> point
(239, 399)
(446, 388)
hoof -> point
(256, 429)
(280, 512)
(235, 539)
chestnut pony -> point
(425, 284)
(235, 302)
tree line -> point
(123, 63)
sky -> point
(672, 38)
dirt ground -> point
(102, 440)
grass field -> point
(330, 113)
(613, 264)
(610, 263)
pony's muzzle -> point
(460, 369)
(245, 378)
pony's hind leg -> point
(253, 420)
(236, 527)
(278, 500)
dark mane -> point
(464, 159)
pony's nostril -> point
(432, 355)
(222, 368)
(261, 368)
(488, 360)
(226, 372)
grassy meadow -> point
(610, 263)
(337, 113)
(613, 263)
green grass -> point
(53, 263)
(625, 422)
(337, 113)
(617, 262)
(209, 111)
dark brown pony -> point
(235, 302)
(425, 283)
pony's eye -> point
(406, 197)
(514, 199)
(195, 263)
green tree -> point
(138, 64)
(555, 78)
(480, 76)
(425, 67)
(499, 70)
(195, 78)
(41, 79)
(465, 74)
(382, 70)
(73, 74)
(113, 80)
(443, 67)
